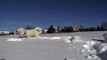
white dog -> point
(32, 33)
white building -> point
(4, 32)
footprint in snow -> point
(2, 59)
(69, 59)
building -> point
(4, 33)
(53, 29)
(76, 28)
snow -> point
(13, 39)
(62, 46)
(51, 38)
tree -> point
(104, 26)
(86, 29)
(82, 28)
(69, 29)
(92, 29)
(98, 28)
(58, 29)
(11, 33)
(64, 29)
(29, 27)
(50, 29)
(53, 29)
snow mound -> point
(76, 39)
(89, 46)
(92, 47)
(95, 47)
(66, 38)
(14, 39)
(51, 38)
(104, 48)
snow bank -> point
(105, 36)
(92, 47)
(95, 47)
(66, 38)
(76, 39)
(104, 47)
(50, 38)
(89, 45)
(14, 39)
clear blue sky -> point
(20, 13)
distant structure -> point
(4, 33)
(104, 25)
(76, 28)
(57, 29)
(53, 29)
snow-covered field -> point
(60, 46)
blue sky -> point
(43, 13)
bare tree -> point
(29, 27)
(104, 26)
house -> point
(53, 29)
(76, 28)
(56, 29)
(4, 32)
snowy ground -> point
(70, 46)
